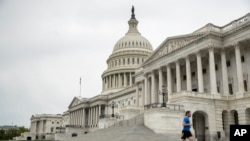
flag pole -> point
(80, 86)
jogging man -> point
(186, 127)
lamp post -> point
(164, 93)
(113, 106)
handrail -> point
(168, 106)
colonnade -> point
(87, 116)
(118, 80)
(174, 77)
(77, 117)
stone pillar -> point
(137, 94)
(106, 110)
(142, 94)
(125, 80)
(89, 117)
(146, 90)
(96, 115)
(199, 71)
(242, 115)
(83, 118)
(77, 117)
(169, 79)
(188, 74)
(130, 79)
(178, 76)
(153, 94)
(224, 72)
(73, 118)
(108, 81)
(100, 110)
(70, 118)
(120, 80)
(239, 70)
(213, 83)
(90, 123)
(113, 81)
(160, 85)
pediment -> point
(75, 102)
(172, 44)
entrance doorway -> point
(28, 138)
(199, 125)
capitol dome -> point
(133, 40)
(128, 54)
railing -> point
(109, 116)
(138, 120)
(75, 126)
(160, 105)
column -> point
(109, 82)
(97, 113)
(199, 71)
(224, 72)
(91, 118)
(130, 79)
(188, 74)
(94, 114)
(80, 117)
(160, 86)
(113, 81)
(239, 70)
(169, 78)
(103, 84)
(83, 117)
(137, 94)
(106, 84)
(125, 80)
(178, 76)
(146, 90)
(70, 118)
(73, 118)
(153, 94)
(142, 95)
(106, 110)
(120, 80)
(213, 83)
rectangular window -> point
(218, 89)
(245, 85)
(216, 67)
(228, 63)
(230, 89)
(193, 74)
(242, 58)
(204, 71)
(184, 77)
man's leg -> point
(191, 138)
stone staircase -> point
(128, 130)
(123, 133)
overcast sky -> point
(46, 46)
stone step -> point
(129, 133)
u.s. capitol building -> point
(206, 72)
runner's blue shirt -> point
(187, 121)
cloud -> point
(46, 46)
